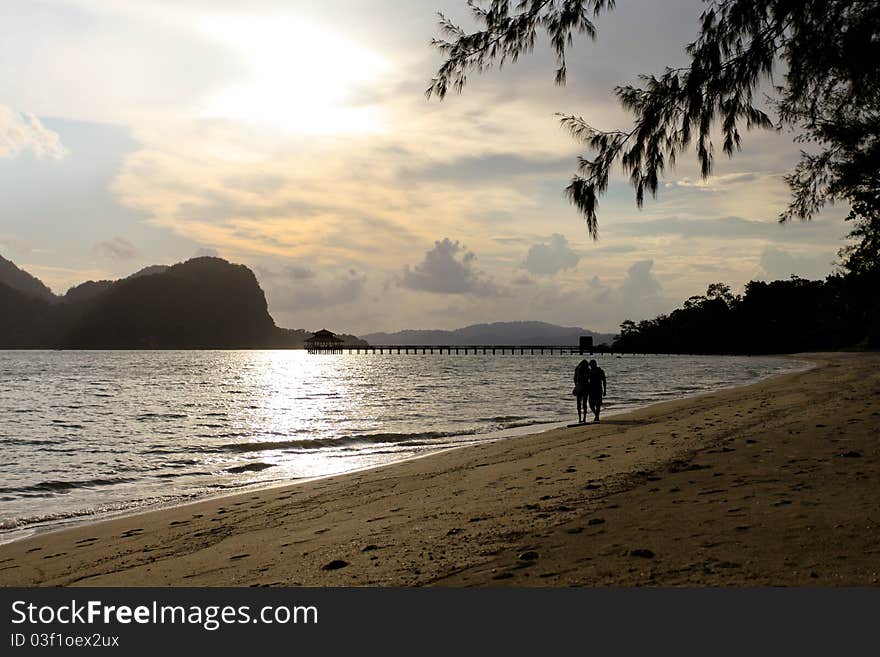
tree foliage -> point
(824, 51)
(769, 317)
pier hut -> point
(325, 342)
(586, 344)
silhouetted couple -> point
(589, 388)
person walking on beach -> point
(581, 385)
(597, 388)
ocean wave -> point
(175, 475)
(161, 416)
(341, 441)
(28, 441)
(249, 467)
(25, 521)
(60, 486)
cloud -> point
(523, 279)
(21, 132)
(470, 169)
(208, 252)
(718, 183)
(117, 248)
(639, 295)
(548, 259)
(297, 273)
(730, 227)
(286, 273)
(616, 248)
(778, 264)
(640, 282)
(589, 301)
(448, 268)
(295, 289)
(16, 245)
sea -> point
(89, 434)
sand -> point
(771, 484)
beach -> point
(774, 483)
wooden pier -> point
(518, 350)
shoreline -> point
(558, 508)
(13, 535)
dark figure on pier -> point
(581, 383)
(597, 388)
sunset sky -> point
(295, 137)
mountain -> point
(27, 321)
(149, 271)
(203, 303)
(20, 280)
(87, 291)
(509, 333)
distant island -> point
(203, 303)
(498, 333)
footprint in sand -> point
(238, 556)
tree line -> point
(785, 316)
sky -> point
(295, 137)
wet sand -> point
(771, 484)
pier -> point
(518, 350)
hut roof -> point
(324, 336)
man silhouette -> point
(597, 388)
(581, 385)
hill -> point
(518, 333)
(203, 303)
(27, 321)
(20, 280)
